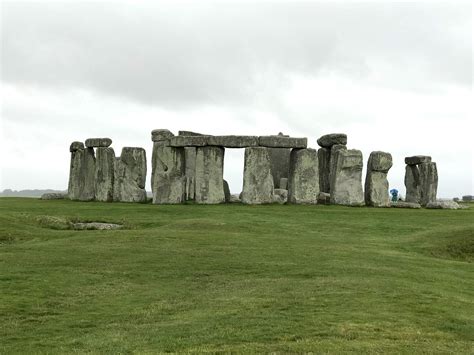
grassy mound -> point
(235, 278)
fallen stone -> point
(233, 141)
(346, 181)
(303, 181)
(324, 159)
(428, 182)
(76, 146)
(130, 175)
(161, 135)
(53, 196)
(96, 226)
(98, 142)
(402, 204)
(282, 142)
(209, 175)
(412, 184)
(258, 180)
(235, 198)
(324, 198)
(168, 174)
(104, 174)
(380, 161)
(376, 183)
(328, 140)
(280, 196)
(226, 191)
(189, 141)
(450, 205)
(417, 159)
(283, 183)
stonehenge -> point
(421, 180)
(98, 175)
(189, 167)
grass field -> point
(235, 278)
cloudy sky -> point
(395, 77)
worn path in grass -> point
(235, 278)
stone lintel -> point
(233, 141)
(282, 142)
(98, 142)
(417, 159)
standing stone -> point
(428, 182)
(332, 161)
(280, 164)
(75, 170)
(376, 183)
(168, 180)
(258, 180)
(88, 176)
(324, 159)
(412, 184)
(209, 175)
(346, 181)
(284, 183)
(104, 174)
(130, 175)
(303, 182)
(227, 194)
(190, 172)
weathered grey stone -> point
(412, 184)
(324, 198)
(428, 182)
(53, 196)
(380, 161)
(130, 175)
(283, 183)
(104, 174)
(76, 146)
(282, 142)
(235, 198)
(190, 172)
(227, 194)
(376, 183)
(191, 133)
(280, 196)
(450, 205)
(280, 164)
(402, 204)
(328, 140)
(96, 226)
(233, 141)
(417, 159)
(76, 182)
(189, 141)
(168, 174)
(161, 135)
(324, 160)
(88, 176)
(209, 175)
(332, 161)
(303, 180)
(258, 180)
(98, 142)
(346, 183)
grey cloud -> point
(185, 54)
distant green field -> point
(275, 278)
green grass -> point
(235, 278)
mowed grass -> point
(273, 278)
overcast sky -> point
(395, 77)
